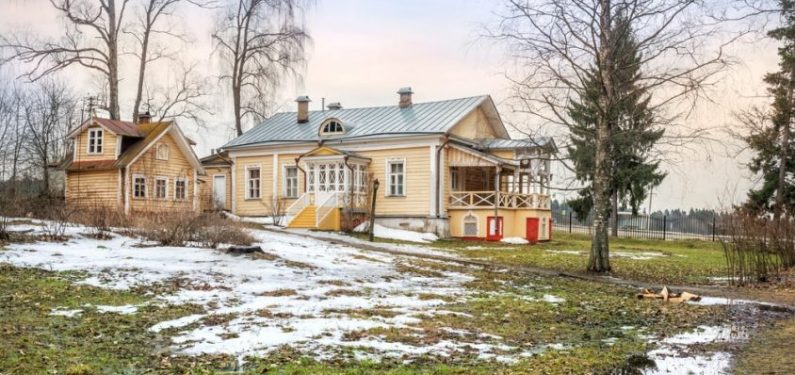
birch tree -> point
(559, 44)
(90, 41)
(259, 43)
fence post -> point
(713, 228)
(570, 214)
(665, 225)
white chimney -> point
(334, 106)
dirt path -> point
(784, 300)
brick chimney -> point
(144, 118)
(303, 108)
(405, 97)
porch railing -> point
(484, 199)
(325, 208)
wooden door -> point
(219, 192)
(494, 228)
(532, 229)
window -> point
(180, 189)
(332, 178)
(161, 152)
(95, 141)
(396, 178)
(470, 226)
(340, 177)
(252, 183)
(161, 190)
(321, 177)
(139, 187)
(454, 185)
(361, 179)
(291, 182)
(331, 127)
(311, 177)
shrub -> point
(757, 249)
(183, 228)
(100, 219)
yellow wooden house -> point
(143, 166)
(447, 167)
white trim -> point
(101, 142)
(87, 124)
(442, 183)
(154, 142)
(185, 180)
(275, 182)
(127, 190)
(387, 162)
(433, 197)
(393, 142)
(157, 179)
(284, 181)
(212, 188)
(159, 147)
(118, 188)
(196, 190)
(322, 133)
(233, 174)
(146, 186)
(246, 178)
(118, 146)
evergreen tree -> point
(632, 134)
(772, 143)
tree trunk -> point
(141, 76)
(599, 260)
(614, 214)
(782, 168)
(236, 99)
(113, 62)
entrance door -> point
(219, 192)
(330, 178)
(494, 228)
(532, 229)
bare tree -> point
(259, 43)
(49, 113)
(90, 40)
(184, 97)
(152, 15)
(560, 44)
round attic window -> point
(332, 126)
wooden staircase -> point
(307, 218)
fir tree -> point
(632, 134)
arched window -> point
(470, 226)
(332, 127)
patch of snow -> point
(670, 356)
(69, 313)
(406, 248)
(515, 241)
(552, 299)
(636, 255)
(124, 310)
(564, 252)
(381, 231)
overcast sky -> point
(364, 50)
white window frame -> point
(97, 135)
(455, 179)
(286, 182)
(185, 189)
(165, 188)
(310, 180)
(464, 225)
(325, 127)
(248, 182)
(146, 186)
(161, 148)
(388, 175)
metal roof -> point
(516, 143)
(420, 118)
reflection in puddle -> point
(672, 357)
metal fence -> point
(655, 226)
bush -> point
(189, 228)
(101, 219)
(757, 249)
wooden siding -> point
(253, 207)
(475, 125)
(416, 201)
(109, 146)
(93, 188)
(177, 166)
(207, 187)
(284, 161)
(514, 222)
(460, 158)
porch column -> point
(517, 181)
(497, 190)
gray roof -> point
(516, 143)
(421, 118)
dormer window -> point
(95, 141)
(332, 127)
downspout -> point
(298, 165)
(439, 174)
(351, 188)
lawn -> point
(678, 262)
(306, 307)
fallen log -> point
(236, 250)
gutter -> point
(439, 173)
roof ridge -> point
(390, 106)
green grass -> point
(771, 352)
(683, 262)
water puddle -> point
(684, 354)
